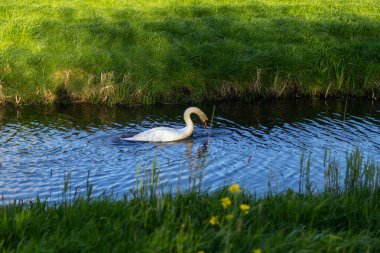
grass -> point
(343, 218)
(144, 52)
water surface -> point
(249, 144)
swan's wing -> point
(159, 134)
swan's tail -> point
(124, 138)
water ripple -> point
(40, 151)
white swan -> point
(166, 134)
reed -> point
(343, 218)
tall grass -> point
(344, 218)
(123, 52)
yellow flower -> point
(229, 216)
(244, 208)
(214, 220)
(226, 202)
(201, 251)
(234, 188)
(256, 250)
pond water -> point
(249, 144)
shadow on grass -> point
(189, 53)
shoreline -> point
(231, 96)
(209, 222)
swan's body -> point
(166, 134)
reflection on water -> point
(248, 144)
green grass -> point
(131, 52)
(344, 218)
(180, 223)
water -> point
(248, 144)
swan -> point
(166, 134)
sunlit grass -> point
(168, 51)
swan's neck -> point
(189, 123)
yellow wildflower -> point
(256, 250)
(229, 216)
(244, 208)
(214, 220)
(234, 188)
(226, 202)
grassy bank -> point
(344, 218)
(181, 223)
(123, 52)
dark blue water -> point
(251, 145)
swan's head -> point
(205, 123)
(204, 119)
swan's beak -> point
(205, 123)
